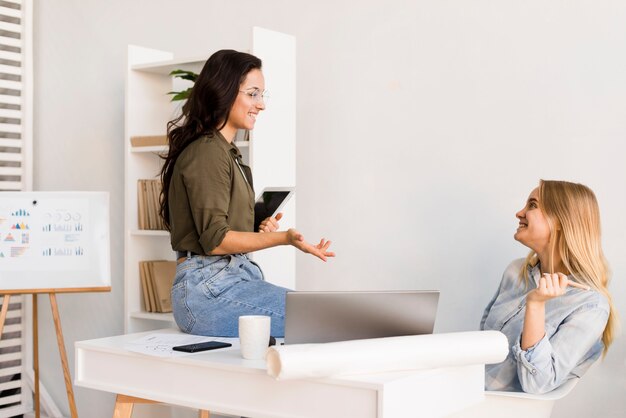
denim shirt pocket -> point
(513, 314)
(502, 313)
(222, 277)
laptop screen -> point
(319, 317)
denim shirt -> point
(575, 322)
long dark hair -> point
(207, 109)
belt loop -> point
(188, 255)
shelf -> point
(160, 149)
(154, 316)
(194, 64)
(163, 148)
(149, 233)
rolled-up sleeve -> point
(546, 365)
(208, 182)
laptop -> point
(321, 317)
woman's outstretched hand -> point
(270, 224)
(320, 250)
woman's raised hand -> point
(270, 224)
(551, 286)
(320, 250)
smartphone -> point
(203, 346)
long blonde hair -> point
(573, 216)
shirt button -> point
(533, 371)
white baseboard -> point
(48, 408)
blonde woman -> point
(554, 306)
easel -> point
(123, 404)
(53, 242)
(60, 342)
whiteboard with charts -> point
(54, 242)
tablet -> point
(270, 202)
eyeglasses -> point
(257, 95)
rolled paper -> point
(414, 352)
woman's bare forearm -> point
(534, 324)
(235, 242)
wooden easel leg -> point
(63, 354)
(3, 317)
(3, 313)
(204, 414)
(36, 356)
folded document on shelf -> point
(149, 141)
(148, 195)
(157, 277)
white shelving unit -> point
(270, 153)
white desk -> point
(221, 381)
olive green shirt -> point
(210, 193)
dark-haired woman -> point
(208, 204)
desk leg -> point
(124, 407)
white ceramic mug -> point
(254, 336)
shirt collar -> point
(535, 273)
(228, 146)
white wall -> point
(422, 127)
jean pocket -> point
(225, 278)
(182, 314)
(260, 275)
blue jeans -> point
(211, 292)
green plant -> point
(185, 75)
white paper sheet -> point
(160, 344)
(300, 361)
